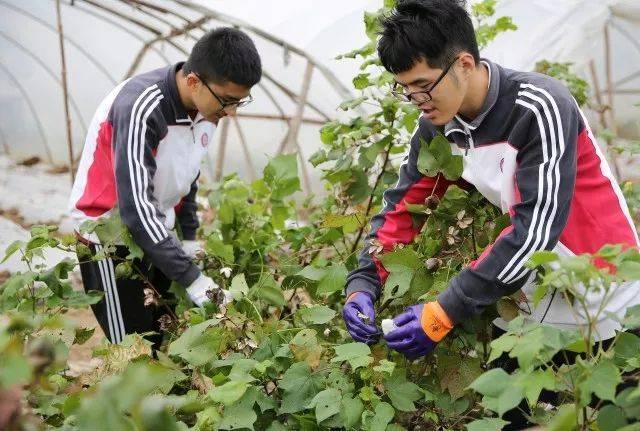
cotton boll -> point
(388, 326)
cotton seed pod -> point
(433, 263)
(83, 252)
(124, 270)
(432, 202)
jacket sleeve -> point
(394, 224)
(186, 213)
(544, 179)
(137, 128)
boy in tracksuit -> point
(526, 146)
(141, 159)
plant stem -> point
(371, 196)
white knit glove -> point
(197, 291)
(191, 248)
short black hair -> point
(225, 54)
(433, 30)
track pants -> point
(122, 310)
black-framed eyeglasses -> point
(223, 104)
(421, 96)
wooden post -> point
(224, 132)
(598, 94)
(245, 150)
(65, 90)
(296, 122)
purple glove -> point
(409, 338)
(359, 317)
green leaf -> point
(629, 270)
(631, 319)
(358, 187)
(334, 280)
(82, 335)
(602, 379)
(436, 157)
(361, 81)
(239, 287)
(457, 374)
(400, 259)
(14, 368)
(281, 174)
(351, 104)
(401, 264)
(326, 404)
(155, 412)
(316, 314)
(564, 420)
(216, 247)
(348, 222)
(628, 401)
(305, 347)
(312, 273)
(240, 415)
(228, 393)
(611, 418)
(383, 416)
(385, 367)
(12, 248)
(268, 290)
(357, 354)
(453, 168)
(427, 163)
(542, 257)
(135, 251)
(199, 343)
(351, 409)
(487, 424)
(249, 309)
(402, 393)
(491, 383)
(300, 385)
(533, 383)
(627, 347)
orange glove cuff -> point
(435, 322)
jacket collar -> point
(180, 112)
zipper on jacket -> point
(467, 133)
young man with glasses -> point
(141, 160)
(526, 147)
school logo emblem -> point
(204, 140)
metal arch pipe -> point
(173, 33)
(159, 9)
(129, 18)
(27, 100)
(50, 72)
(119, 26)
(344, 91)
(139, 7)
(73, 43)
